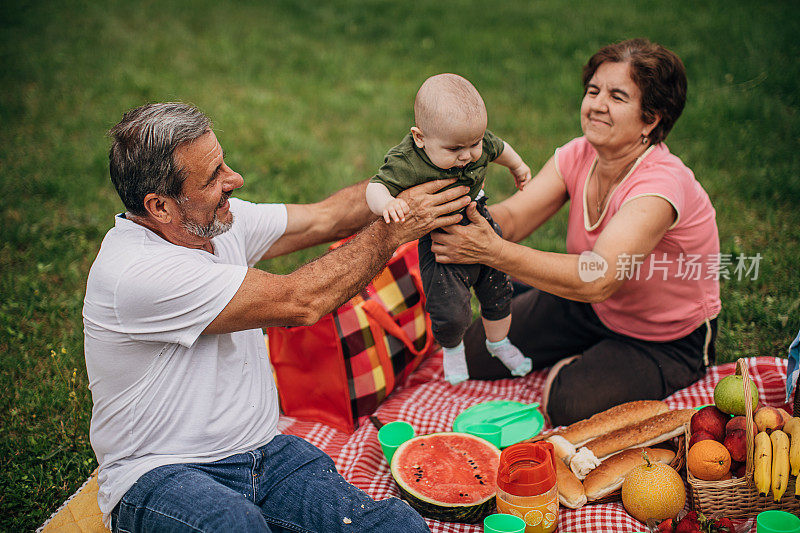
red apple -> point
(739, 422)
(736, 442)
(699, 435)
(710, 419)
(738, 469)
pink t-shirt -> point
(676, 288)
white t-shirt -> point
(163, 393)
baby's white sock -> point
(510, 356)
(455, 364)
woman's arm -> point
(522, 213)
(633, 232)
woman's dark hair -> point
(659, 74)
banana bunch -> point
(762, 462)
(792, 427)
(775, 456)
(780, 463)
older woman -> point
(629, 312)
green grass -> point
(306, 98)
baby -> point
(450, 140)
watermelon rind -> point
(469, 513)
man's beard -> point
(212, 229)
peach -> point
(710, 419)
(736, 442)
(786, 416)
(768, 419)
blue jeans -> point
(286, 485)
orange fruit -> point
(653, 490)
(709, 460)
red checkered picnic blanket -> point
(431, 404)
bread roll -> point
(645, 433)
(612, 419)
(570, 489)
(609, 476)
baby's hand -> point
(396, 210)
(522, 175)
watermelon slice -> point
(448, 476)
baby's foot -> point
(510, 356)
(455, 364)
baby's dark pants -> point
(447, 291)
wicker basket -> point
(738, 498)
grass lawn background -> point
(306, 98)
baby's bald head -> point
(448, 101)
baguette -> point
(645, 433)
(612, 419)
(563, 448)
(609, 476)
(570, 490)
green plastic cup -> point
(392, 435)
(503, 523)
(777, 522)
(489, 432)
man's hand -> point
(522, 175)
(474, 243)
(396, 210)
(430, 209)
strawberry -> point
(724, 525)
(667, 526)
(688, 525)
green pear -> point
(729, 395)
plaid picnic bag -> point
(341, 368)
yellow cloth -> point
(80, 514)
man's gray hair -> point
(141, 158)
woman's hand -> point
(475, 243)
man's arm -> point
(305, 295)
(336, 217)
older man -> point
(185, 413)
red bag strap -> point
(383, 354)
(381, 321)
(376, 311)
